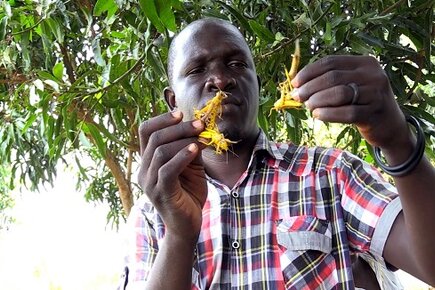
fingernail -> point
(197, 124)
(192, 147)
(315, 114)
(176, 113)
(295, 94)
(308, 104)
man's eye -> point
(196, 70)
(237, 64)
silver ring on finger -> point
(355, 90)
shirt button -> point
(235, 194)
(235, 244)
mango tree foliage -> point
(6, 201)
(78, 77)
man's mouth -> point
(230, 100)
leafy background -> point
(78, 77)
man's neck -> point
(228, 166)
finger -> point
(323, 82)
(168, 173)
(166, 152)
(155, 124)
(323, 65)
(175, 166)
(161, 155)
(175, 132)
(341, 95)
(344, 114)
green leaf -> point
(177, 4)
(7, 8)
(111, 97)
(105, 5)
(155, 62)
(83, 172)
(262, 31)
(327, 37)
(150, 10)
(32, 117)
(370, 157)
(421, 113)
(118, 69)
(57, 147)
(166, 15)
(303, 21)
(53, 84)
(3, 26)
(298, 113)
(359, 46)
(116, 34)
(263, 120)
(242, 20)
(56, 28)
(96, 137)
(370, 40)
(97, 52)
(85, 141)
(58, 70)
(130, 18)
(105, 75)
(39, 84)
(429, 100)
(342, 134)
(46, 76)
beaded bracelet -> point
(415, 158)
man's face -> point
(212, 57)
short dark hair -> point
(194, 25)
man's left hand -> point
(353, 90)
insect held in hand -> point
(286, 100)
(211, 110)
(211, 135)
(216, 139)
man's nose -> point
(219, 80)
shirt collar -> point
(263, 144)
(287, 156)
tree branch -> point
(131, 120)
(123, 76)
(68, 65)
(392, 7)
(13, 78)
(292, 40)
(129, 165)
(29, 28)
(121, 180)
(134, 128)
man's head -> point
(198, 24)
(207, 56)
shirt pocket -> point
(306, 261)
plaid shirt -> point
(290, 222)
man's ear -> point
(259, 84)
(170, 98)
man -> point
(267, 215)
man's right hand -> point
(171, 173)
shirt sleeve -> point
(144, 230)
(142, 247)
(370, 205)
